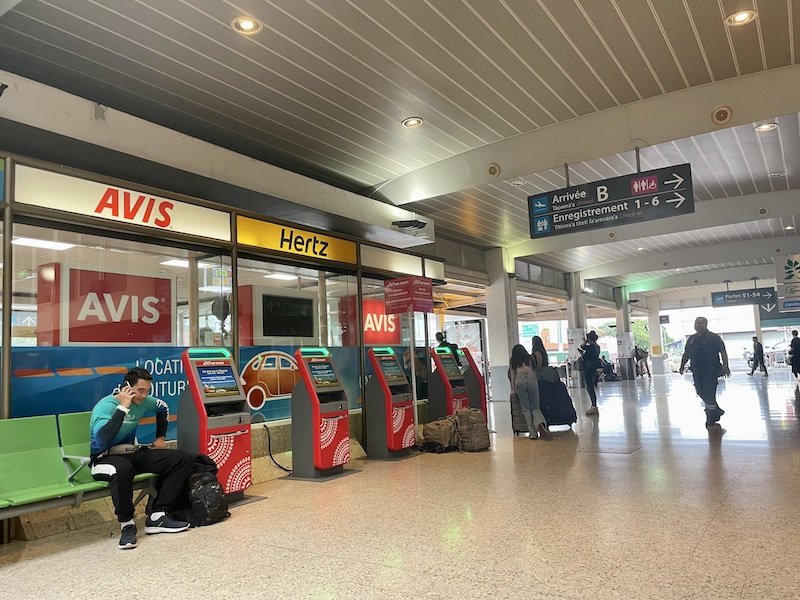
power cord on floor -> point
(269, 450)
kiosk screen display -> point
(450, 367)
(218, 381)
(322, 373)
(391, 370)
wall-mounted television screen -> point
(218, 381)
(450, 367)
(287, 316)
(391, 369)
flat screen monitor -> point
(450, 367)
(218, 381)
(287, 316)
(322, 374)
(391, 370)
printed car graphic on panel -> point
(268, 375)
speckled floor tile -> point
(640, 502)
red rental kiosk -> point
(320, 417)
(213, 418)
(447, 391)
(389, 407)
(476, 385)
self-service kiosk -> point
(213, 418)
(389, 407)
(476, 385)
(320, 418)
(447, 391)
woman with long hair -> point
(590, 350)
(525, 385)
(538, 352)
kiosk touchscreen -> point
(473, 379)
(320, 417)
(213, 418)
(389, 407)
(447, 391)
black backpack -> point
(204, 502)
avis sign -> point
(408, 293)
(117, 308)
(380, 329)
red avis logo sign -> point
(115, 308)
(137, 208)
(380, 329)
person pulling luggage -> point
(526, 386)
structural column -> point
(624, 336)
(501, 314)
(576, 321)
(657, 350)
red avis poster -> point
(117, 308)
(380, 329)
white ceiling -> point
(322, 89)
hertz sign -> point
(283, 238)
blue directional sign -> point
(633, 198)
(762, 296)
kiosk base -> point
(393, 454)
(322, 476)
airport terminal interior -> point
(276, 206)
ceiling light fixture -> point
(741, 17)
(588, 290)
(184, 263)
(45, 244)
(777, 173)
(518, 182)
(766, 127)
(787, 228)
(412, 122)
(640, 248)
(246, 25)
(281, 276)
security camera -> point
(633, 301)
(410, 224)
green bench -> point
(40, 469)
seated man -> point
(117, 460)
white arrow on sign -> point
(768, 307)
(768, 295)
(677, 181)
(679, 199)
(28, 321)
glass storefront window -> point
(86, 308)
(282, 308)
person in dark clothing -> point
(538, 352)
(117, 459)
(704, 350)
(794, 354)
(590, 351)
(758, 357)
(443, 343)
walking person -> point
(794, 354)
(538, 352)
(758, 357)
(590, 351)
(704, 350)
(526, 386)
(641, 356)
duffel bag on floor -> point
(439, 435)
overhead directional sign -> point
(611, 202)
(737, 297)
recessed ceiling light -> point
(412, 122)
(46, 244)
(766, 127)
(777, 173)
(518, 182)
(588, 290)
(787, 228)
(741, 17)
(640, 248)
(246, 25)
(281, 276)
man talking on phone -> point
(117, 458)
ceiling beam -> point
(717, 276)
(709, 213)
(7, 6)
(691, 257)
(664, 118)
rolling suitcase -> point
(556, 403)
(518, 422)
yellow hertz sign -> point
(282, 238)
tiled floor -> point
(640, 502)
